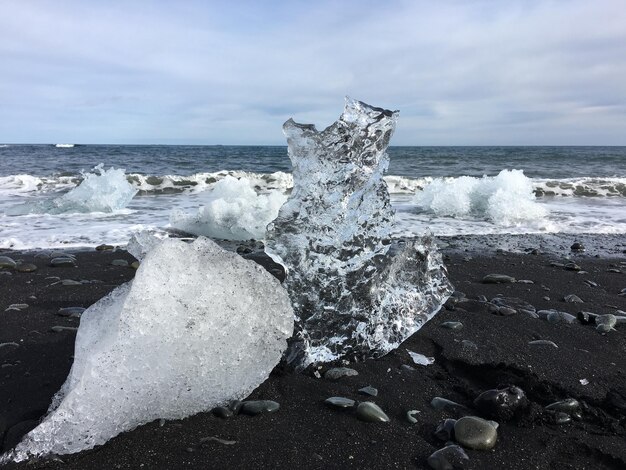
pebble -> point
(514, 303)
(543, 342)
(605, 323)
(505, 311)
(452, 325)
(573, 298)
(501, 403)
(525, 281)
(222, 412)
(572, 267)
(61, 254)
(577, 246)
(64, 262)
(339, 402)
(16, 307)
(7, 262)
(410, 416)
(440, 404)
(119, 262)
(74, 312)
(255, 407)
(591, 283)
(567, 406)
(613, 270)
(104, 247)
(475, 433)
(371, 413)
(59, 329)
(560, 317)
(451, 457)
(70, 282)
(497, 279)
(135, 264)
(338, 372)
(25, 268)
(445, 430)
(369, 390)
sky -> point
(206, 72)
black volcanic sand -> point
(305, 433)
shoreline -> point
(306, 433)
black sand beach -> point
(304, 433)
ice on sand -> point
(197, 327)
(356, 293)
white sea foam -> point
(506, 199)
(20, 183)
(232, 210)
(64, 146)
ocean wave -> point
(581, 187)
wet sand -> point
(305, 433)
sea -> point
(65, 195)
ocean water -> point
(86, 195)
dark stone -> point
(63, 263)
(497, 279)
(371, 413)
(369, 390)
(339, 402)
(255, 407)
(25, 268)
(577, 246)
(445, 430)
(104, 247)
(501, 404)
(475, 433)
(338, 372)
(222, 412)
(451, 457)
(235, 406)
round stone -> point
(222, 412)
(62, 262)
(475, 433)
(371, 413)
(7, 262)
(369, 390)
(255, 407)
(26, 268)
(577, 246)
(339, 402)
(497, 279)
(452, 325)
(501, 403)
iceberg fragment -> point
(197, 327)
(355, 292)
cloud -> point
(484, 72)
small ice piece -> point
(584, 382)
(233, 210)
(356, 293)
(100, 191)
(196, 328)
(141, 243)
(420, 359)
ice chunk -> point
(197, 327)
(101, 191)
(420, 359)
(506, 199)
(355, 292)
(233, 210)
(141, 243)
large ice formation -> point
(232, 210)
(356, 293)
(197, 327)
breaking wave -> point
(506, 199)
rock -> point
(440, 404)
(501, 404)
(505, 311)
(235, 406)
(7, 262)
(64, 262)
(119, 262)
(451, 457)
(586, 318)
(70, 282)
(543, 342)
(104, 247)
(569, 405)
(61, 254)
(514, 303)
(371, 413)
(135, 264)
(74, 312)
(255, 407)
(410, 416)
(497, 279)
(16, 307)
(613, 270)
(573, 298)
(560, 317)
(572, 267)
(591, 283)
(369, 390)
(577, 246)
(475, 433)
(339, 402)
(605, 323)
(60, 329)
(222, 412)
(445, 430)
(338, 372)
(452, 325)
(25, 268)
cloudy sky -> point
(203, 72)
